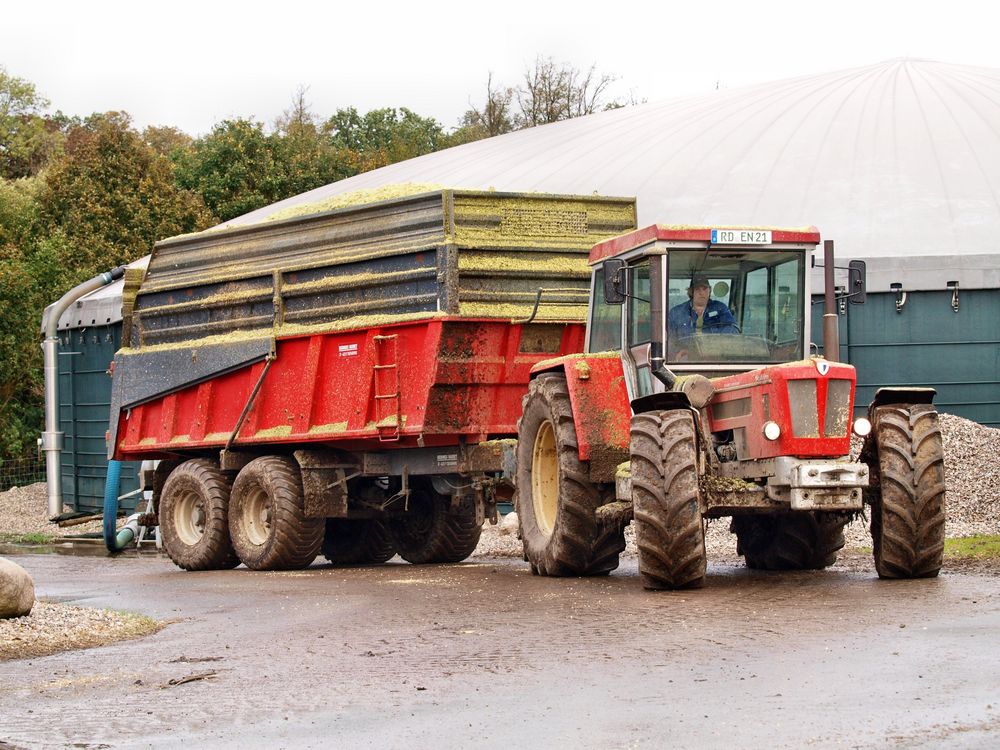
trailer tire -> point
(669, 532)
(193, 517)
(362, 542)
(789, 541)
(555, 500)
(430, 532)
(267, 520)
(906, 491)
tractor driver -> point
(701, 313)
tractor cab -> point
(713, 301)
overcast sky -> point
(192, 64)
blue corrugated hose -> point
(114, 542)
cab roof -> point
(687, 233)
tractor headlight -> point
(862, 427)
(772, 431)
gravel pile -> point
(55, 627)
(24, 510)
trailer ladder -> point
(388, 415)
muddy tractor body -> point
(697, 399)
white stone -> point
(17, 590)
(509, 524)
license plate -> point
(741, 237)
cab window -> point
(605, 319)
(640, 315)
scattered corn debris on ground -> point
(53, 627)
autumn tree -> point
(166, 140)
(233, 168)
(27, 138)
(552, 91)
(548, 92)
(30, 270)
(494, 117)
(112, 196)
(383, 136)
(309, 158)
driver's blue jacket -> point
(682, 320)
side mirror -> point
(856, 282)
(614, 281)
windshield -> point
(735, 306)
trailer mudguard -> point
(601, 412)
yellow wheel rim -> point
(545, 478)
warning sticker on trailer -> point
(447, 459)
(348, 350)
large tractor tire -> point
(430, 532)
(556, 503)
(362, 542)
(194, 525)
(669, 531)
(789, 541)
(907, 491)
(267, 520)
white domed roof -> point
(898, 162)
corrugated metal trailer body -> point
(432, 382)
(459, 253)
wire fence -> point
(18, 472)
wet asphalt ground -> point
(485, 655)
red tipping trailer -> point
(437, 382)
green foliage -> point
(33, 538)
(100, 201)
(383, 136)
(234, 168)
(166, 140)
(29, 273)
(982, 547)
(112, 196)
(27, 139)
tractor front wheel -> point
(668, 525)
(907, 491)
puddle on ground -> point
(77, 548)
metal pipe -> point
(52, 438)
(831, 322)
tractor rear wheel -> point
(556, 502)
(363, 542)
(267, 520)
(193, 517)
(430, 532)
(789, 541)
(668, 525)
(907, 490)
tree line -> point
(80, 195)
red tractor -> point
(697, 373)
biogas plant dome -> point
(898, 162)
